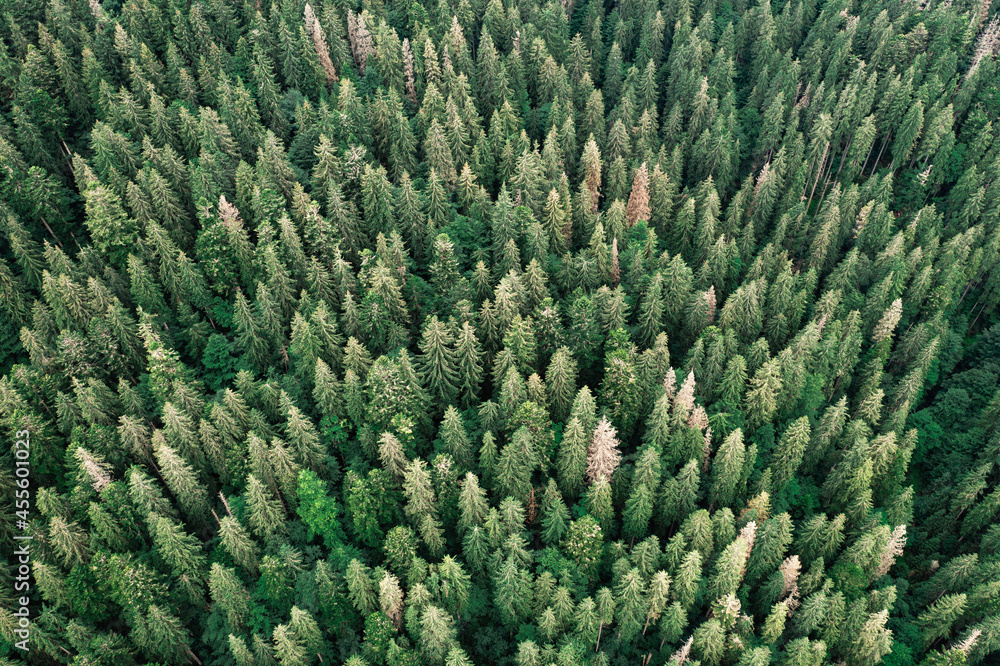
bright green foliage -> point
(583, 544)
(370, 503)
(317, 509)
(549, 334)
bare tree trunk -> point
(843, 158)
(867, 157)
(822, 166)
(884, 143)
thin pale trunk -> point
(822, 196)
(877, 159)
(829, 167)
(867, 157)
(52, 233)
(928, 195)
(600, 628)
(843, 158)
(968, 286)
(977, 319)
(836, 385)
(822, 166)
(68, 155)
(826, 181)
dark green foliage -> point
(489, 332)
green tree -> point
(640, 503)
(790, 451)
(468, 356)
(584, 544)
(472, 504)
(514, 468)
(571, 464)
(361, 588)
(317, 509)
(555, 515)
(727, 469)
(436, 363)
(937, 620)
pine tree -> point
(872, 641)
(514, 467)
(439, 154)
(555, 516)
(650, 322)
(520, 340)
(909, 131)
(598, 502)
(790, 451)
(583, 544)
(249, 337)
(772, 539)
(472, 504)
(455, 438)
(376, 201)
(417, 488)
(571, 464)
(621, 388)
(937, 621)
(361, 588)
(238, 543)
(229, 593)
(181, 551)
(512, 591)
(436, 363)
(265, 516)
(161, 635)
(603, 455)
(560, 382)
(727, 469)
(301, 434)
(432, 534)
(457, 657)
(180, 479)
(640, 503)
(638, 201)
(468, 360)
(762, 397)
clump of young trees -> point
(467, 332)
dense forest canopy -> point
(502, 332)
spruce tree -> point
(468, 361)
(436, 363)
(555, 516)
